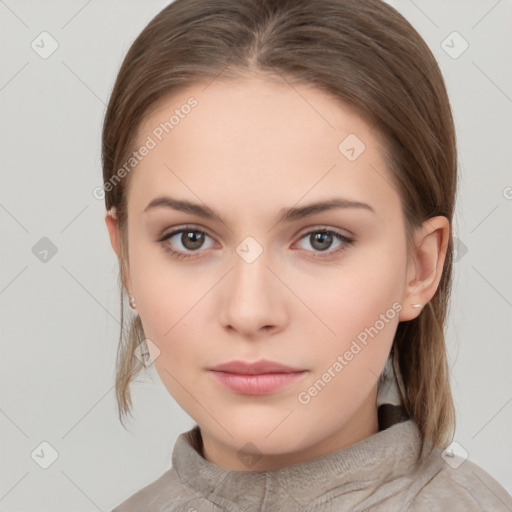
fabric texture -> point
(379, 473)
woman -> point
(280, 180)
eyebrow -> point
(285, 214)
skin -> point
(248, 149)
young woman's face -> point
(261, 274)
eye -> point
(188, 240)
(322, 239)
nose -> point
(253, 301)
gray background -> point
(60, 317)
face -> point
(250, 273)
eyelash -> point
(318, 254)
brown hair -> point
(362, 52)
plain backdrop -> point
(59, 301)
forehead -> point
(258, 108)
(258, 138)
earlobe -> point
(426, 268)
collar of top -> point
(359, 468)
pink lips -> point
(259, 378)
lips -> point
(257, 368)
(258, 378)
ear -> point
(426, 266)
(115, 240)
(113, 231)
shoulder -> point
(164, 490)
(463, 485)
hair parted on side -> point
(363, 53)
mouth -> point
(262, 366)
(258, 378)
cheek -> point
(171, 302)
(361, 305)
(171, 310)
(162, 290)
(354, 296)
(363, 311)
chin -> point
(272, 434)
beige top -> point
(378, 474)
